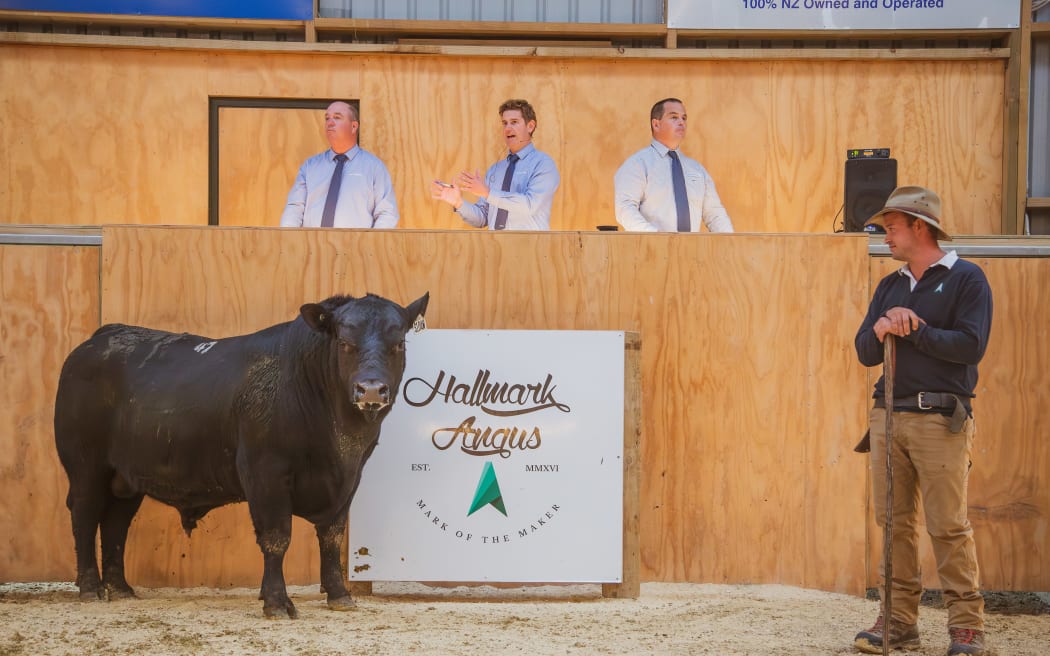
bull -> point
(283, 418)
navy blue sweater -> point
(942, 355)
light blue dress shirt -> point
(645, 194)
(366, 194)
(528, 203)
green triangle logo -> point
(487, 492)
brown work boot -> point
(966, 641)
(901, 636)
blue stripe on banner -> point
(262, 9)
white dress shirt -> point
(645, 194)
(366, 194)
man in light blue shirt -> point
(647, 198)
(363, 193)
(517, 192)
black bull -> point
(284, 419)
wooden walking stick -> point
(889, 355)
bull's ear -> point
(317, 317)
(417, 309)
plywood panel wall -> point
(50, 301)
(1009, 489)
(93, 136)
(130, 141)
(750, 396)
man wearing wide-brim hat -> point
(918, 202)
(939, 308)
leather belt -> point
(943, 402)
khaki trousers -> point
(932, 463)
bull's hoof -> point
(119, 595)
(116, 593)
(342, 603)
(287, 612)
(91, 595)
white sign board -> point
(843, 14)
(502, 460)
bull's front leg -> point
(330, 541)
(273, 537)
(272, 516)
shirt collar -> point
(948, 261)
(524, 152)
(663, 150)
(350, 154)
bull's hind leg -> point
(115, 524)
(87, 504)
(330, 541)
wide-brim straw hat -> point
(919, 202)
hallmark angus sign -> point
(502, 460)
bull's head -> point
(367, 336)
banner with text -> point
(502, 460)
(843, 14)
(257, 9)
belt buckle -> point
(922, 406)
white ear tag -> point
(419, 325)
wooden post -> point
(309, 27)
(630, 585)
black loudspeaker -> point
(869, 182)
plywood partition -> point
(751, 398)
(49, 297)
(751, 394)
(1009, 488)
(773, 133)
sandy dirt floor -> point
(48, 618)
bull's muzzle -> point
(371, 396)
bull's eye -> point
(347, 347)
(399, 347)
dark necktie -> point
(328, 216)
(501, 214)
(681, 200)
